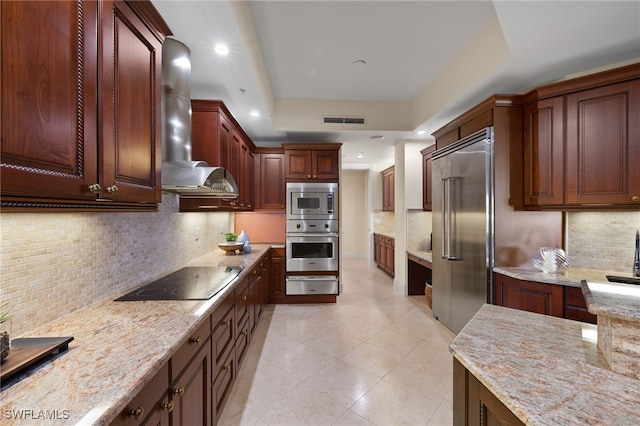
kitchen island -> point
(118, 348)
(541, 369)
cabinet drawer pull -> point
(113, 190)
(244, 298)
(195, 340)
(136, 413)
(635, 198)
(227, 367)
(244, 333)
(314, 176)
(227, 322)
(168, 406)
(179, 391)
(94, 188)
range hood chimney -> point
(179, 173)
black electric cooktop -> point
(193, 283)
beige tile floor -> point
(376, 357)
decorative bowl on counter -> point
(231, 247)
(551, 260)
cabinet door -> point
(603, 145)
(426, 177)
(129, 110)
(325, 165)
(388, 190)
(151, 405)
(48, 72)
(298, 164)
(277, 274)
(191, 397)
(529, 296)
(544, 153)
(272, 182)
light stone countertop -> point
(614, 300)
(117, 349)
(386, 234)
(544, 370)
(571, 278)
(424, 255)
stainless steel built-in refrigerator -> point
(463, 228)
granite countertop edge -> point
(543, 368)
(117, 349)
(571, 278)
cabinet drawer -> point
(242, 302)
(580, 314)
(574, 297)
(242, 342)
(188, 350)
(148, 399)
(223, 381)
(222, 338)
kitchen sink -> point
(625, 280)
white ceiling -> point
(426, 61)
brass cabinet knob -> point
(227, 367)
(244, 333)
(94, 188)
(136, 413)
(635, 198)
(168, 406)
(179, 391)
(227, 322)
(195, 340)
(244, 298)
(314, 176)
(308, 176)
(113, 190)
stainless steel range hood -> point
(179, 173)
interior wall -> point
(354, 210)
(57, 263)
(262, 226)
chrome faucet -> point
(636, 257)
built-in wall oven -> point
(312, 246)
(312, 239)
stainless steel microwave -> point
(312, 200)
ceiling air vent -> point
(343, 120)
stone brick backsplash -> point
(602, 240)
(55, 263)
(387, 222)
(418, 230)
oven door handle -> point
(302, 234)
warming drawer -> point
(318, 284)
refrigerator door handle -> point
(447, 215)
(445, 221)
(451, 255)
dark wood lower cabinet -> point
(277, 275)
(542, 298)
(384, 253)
(474, 404)
(529, 296)
(190, 391)
(192, 388)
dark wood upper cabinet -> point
(426, 177)
(312, 162)
(218, 139)
(81, 104)
(603, 145)
(270, 184)
(544, 152)
(388, 189)
(582, 142)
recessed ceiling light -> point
(422, 132)
(360, 155)
(222, 49)
(377, 137)
(254, 113)
(360, 63)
